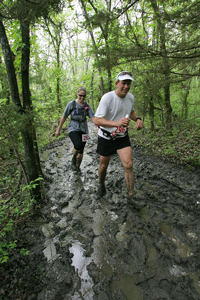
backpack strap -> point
(73, 105)
(85, 107)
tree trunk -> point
(151, 113)
(12, 81)
(5, 91)
(151, 105)
(184, 98)
(85, 14)
(92, 89)
(58, 77)
(166, 67)
(34, 159)
(109, 80)
(31, 166)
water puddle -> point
(126, 284)
(196, 279)
(99, 256)
(80, 262)
(152, 257)
(182, 249)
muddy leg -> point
(79, 159)
(75, 152)
(104, 162)
(126, 158)
(74, 159)
(125, 155)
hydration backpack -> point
(79, 113)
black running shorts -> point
(109, 147)
(76, 138)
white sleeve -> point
(102, 109)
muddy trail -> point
(83, 248)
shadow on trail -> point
(103, 249)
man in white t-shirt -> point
(112, 117)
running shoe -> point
(101, 191)
(136, 204)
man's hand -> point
(124, 122)
(139, 124)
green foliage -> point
(13, 211)
(183, 146)
(15, 201)
(32, 184)
(32, 10)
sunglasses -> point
(124, 73)
(82, 96)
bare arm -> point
(57, 133)
(109, 123)
(138, 123)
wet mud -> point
(105, 250)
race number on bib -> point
(85, 137)
(119, 131)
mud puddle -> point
(103, 249)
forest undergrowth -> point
(182, 146)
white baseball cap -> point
(124, 75)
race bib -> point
(85, 137)
(119, 131)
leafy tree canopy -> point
(30, 10)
